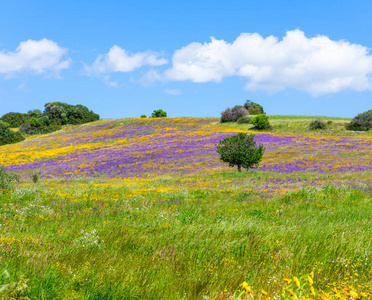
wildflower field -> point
(144, 209)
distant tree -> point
(240, 150)
(232, 115)
(159, 114)
(254, 108)
(362, 122)
(14, 119)
(143, 116)
(317, 124)
(261, 122)
(8, 136)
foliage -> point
(8, 136)
(7, 180)
(362, 122)
(317, 124)
(244, 120)
(16, 290)
(240, 150)
(143, 116)
(261, 122)
(232, 115)
(36, 113)
(62, 113)
(39, 126)
(14, 119)
(159, 114)
(254, 108)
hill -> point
(143, 209)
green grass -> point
(181, 238)
(300, 125)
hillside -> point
(144, 209)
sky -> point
(190, 58)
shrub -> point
(261, 122)
(14, 119)
(8, 136)
(244, 120)
(38, 126)
(240, 150)
(234, 114)
(254, 108)
(362, 122)
(143, 116)
(159, 114)
(226, 116)
(317, 124)
(7, 180)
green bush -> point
(7, 180)
(240, 150)
(143, 116)
(14, 119)
(244, 120)
(8, 136)
(362, 122)
(159, 114)
(254, 108)
(317, 124)
(261, 122)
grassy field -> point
(143, 209)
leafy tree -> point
(317, 124)
(261, 122)
(240, 150)
(254, 108)
(8, 136)
(14, 119)
(143, 116)
(36, 113)
(362, 122)
(159, 114)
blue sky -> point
(189, 58)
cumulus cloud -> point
(317, 65)
(174, 92)
(43, 56)
(118, 60)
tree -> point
(8, 136)
(234, 114)
(159, 114)
(240, 150)
(14, 119)
(362, 122)
(253, 108)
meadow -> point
(144, 209)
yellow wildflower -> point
(247, 288)
(312, 290)
(263, 293)
(297, 281)
(324, 296)
(312, 274)
(354, 294)
(310, 280)
(287, 280)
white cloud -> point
(174, 92)
(316, 65)
(118, 60)
(43, 56)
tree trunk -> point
(239, 168)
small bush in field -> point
(143, 116)
(244, 120)
(240, 150)
(317, 124)
(362, 122)
(261, 122)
